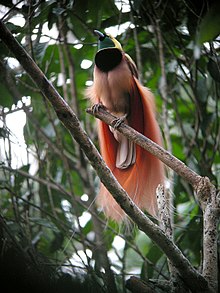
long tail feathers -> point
(141, 179)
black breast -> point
(108, 59)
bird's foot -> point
(118, 121)
(97, 107)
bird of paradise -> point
(116, 87)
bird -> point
(117, 89)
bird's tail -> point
(141, 179)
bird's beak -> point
(99, 34)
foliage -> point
(48, 194)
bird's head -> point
(109, 53)
(107, 41)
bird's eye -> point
(102, 38)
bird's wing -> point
(132, 66)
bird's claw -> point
(118, 121)
(97, 107)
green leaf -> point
(201, 88)
(57, 242)
(39, 50)
(143, 243)
(6, 99)
(19, 179)
(58, 11)
(154, 254)
(13, 28)
(210, 25)
(45, 223)
(4, 132)
(44, 10)
(214, 68)
(133, 260)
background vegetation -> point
(50, 227)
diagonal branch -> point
(167, 158)
(195, 281)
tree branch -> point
(136, 285)
(193, 279)
(167, 158)
(211, 213)
(166, 225)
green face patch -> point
(105, 42)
